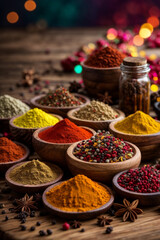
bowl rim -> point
(32, 129)
(70, 115)
(112, 128)
(116, 185)
(8, 179)
(36, 136)
(98, 68)
(70, 155)
(34, 99)
(46, 203)
(27, 153)
(156, 105)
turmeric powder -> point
(78, 194)
(138, 123)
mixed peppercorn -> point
(142, 180)
(103, 148)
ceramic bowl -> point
(102, 172)
(53, 152)
(96, 125)
(62, 111)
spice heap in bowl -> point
(103, 148)
(101, 71)
(96, 115)
(51, 143)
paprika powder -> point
(65, 131)
(105, 58)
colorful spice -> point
(60, 98)
(128, 210)
(35, 118)
(66, 226)
(105, 58)
(138, 123)
(96, 111)
(10, 107)
(33, 172)
(79, 194)
(10, 151)
(142, 180)
(103, 148)
(65, 132)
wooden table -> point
(25, 49)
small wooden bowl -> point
(96, 125)
(100, 80)
(148, 144)
(102, 172)
(53, 152)
(24, 134)
(31, 188)
(4, 124)
(62, 111)
(77, 215)
(145, 199)
(5, 166)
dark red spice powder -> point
(105, 58)
(65, 131)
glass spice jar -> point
(134, 85)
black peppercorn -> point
(23, 227)
(38, 223)
(82, 230)
(42, 233)
(3, 212)
(109, 229)
(32, 228)
(49, 231)
(6, 218)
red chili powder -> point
(64, 131)
(105, 58)
(10, 151)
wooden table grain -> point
(24, 49)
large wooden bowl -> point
(100, 80)
(102, 172)
(62, 111)
(53, 152)
(148, 144)
(145, 199)
(96, 125)
(5, 166)
(24, 134)
(77, 215)
(31, 188)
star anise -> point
(106, 98)
(74, 87)
(29, 77)
(25, 204)
(103, 220)
(75, 224)
(128, 210)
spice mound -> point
(10, 107)
(105, 58)
(10, 151)
(142, 180)
(35, 118)
(65, 132)
(96, 111)
(138, 123)
(78, 194)
(33, 173)
(103, 148)
(60, 98)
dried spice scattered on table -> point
(103, 148)
(29, 77)
(105, 98)
(75, 224)
(61, 97)
(74, 87)
(128, 210)
(25, 204)
(103, 220)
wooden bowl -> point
(53, 152)
(148, 144)
(5, 166)
(24, 134)
(4, 124)
(102, 172)
(31, 188)
(145, 199)
(157, 109)
(100, 80)
(96, 125)
(62, 111)
(77, 215)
